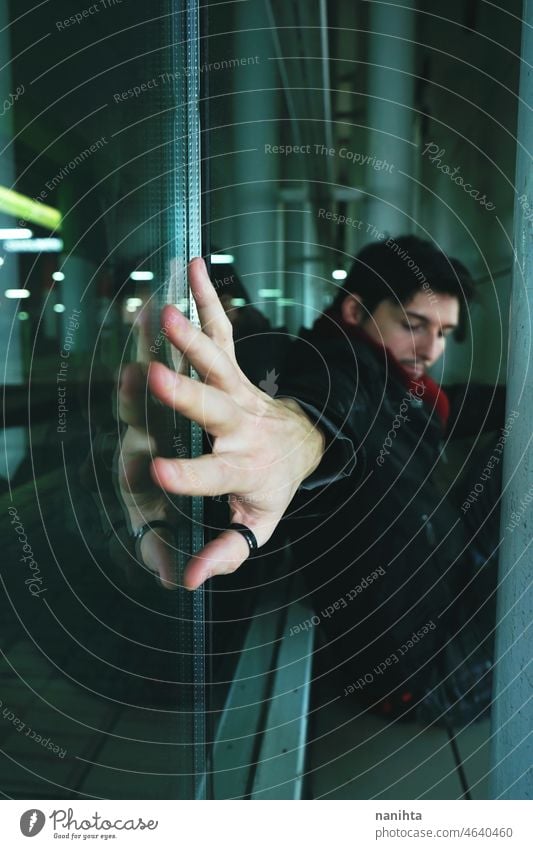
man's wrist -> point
(337, 457)
(314, 441)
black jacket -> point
(383, 552)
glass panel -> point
(102, 667)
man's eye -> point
(412, 327)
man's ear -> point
(352, 310)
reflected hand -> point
(147, 424)
(262, 448)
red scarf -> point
(331, 325)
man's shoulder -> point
(311, 351)
(332, 374)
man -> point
(355, 435)
(384, 550)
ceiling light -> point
(339, 274)
(58, 275)
(270, 293)
(222, 259)
(59, 307)
(15, 233)
(17, 293)
(142, 275)
(27, 209)
(33, 246)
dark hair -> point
(397, 269)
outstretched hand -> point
(262, 448)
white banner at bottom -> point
(505, 824)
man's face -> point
(414, 332)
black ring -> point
(149, 526)
(248, 535)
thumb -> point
(221, 556)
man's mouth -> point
(414, 369)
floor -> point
(368, 758)
(91, 747)
(79, 717)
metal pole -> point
(186, 240)
(512, 716)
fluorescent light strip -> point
(15, 233)
(17, 293)
(26, 209)
(222, 259)
(270, 293)
(33, 246)
(142, 275)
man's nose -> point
(429, 349)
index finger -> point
(211, 313)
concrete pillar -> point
(390, 115)
(254, 198)
(14, 442)
(309, 293)
(305, 269)
(512, 715)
